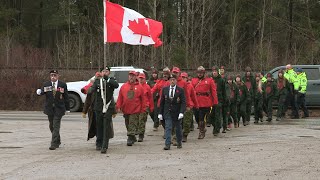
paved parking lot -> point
(277, 150)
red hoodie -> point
(134, 105)
(158, 88)
(148, 96)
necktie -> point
(171, 93)
(54, 88)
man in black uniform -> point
(56, 104)
(104, 107)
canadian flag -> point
(128, 26)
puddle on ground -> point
(5, 132)
(306, 136)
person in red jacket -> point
(206, 93)
(157, 88)
(191, 102)
(149, 106)
(131, 101)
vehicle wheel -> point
(74, 102)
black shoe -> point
(256, 122)
(215, 133)
(98, 148)
(52, 147)
(224, 131)
(129, 141)
(269, 119)
(179, 146)
(103, 150)
(134, 139)
(294, 117)
(141, 136)
(166, 147)
(261, 120)
(278, 119)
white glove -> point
(180, 116)
(39, 91)
(160, 117)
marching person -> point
(149, 106)
(206, 94)
(104, 107)
(172, 108)
(258, 100)
(270, 90)
(241, 107)
(88, 108)
(292, 78)
(249, 81)
(302, 89)
(216, 114)
(56, 105)
(282, 92)
(193, 103)
(131, 101)
(154, 114)
(157, 89)
(231, 100)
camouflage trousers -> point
(142, 123)
(187, 121)
(131, 121)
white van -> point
(77, 98)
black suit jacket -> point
(172, 106)
(58, 104)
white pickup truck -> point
(77, 98)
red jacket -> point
(134, 105)
(191, 98)
(148, 96)
(184, 85)
(158, 88)
(206, 91)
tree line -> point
(234, 33)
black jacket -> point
(58, 104)
(172, 106)
(111, 84)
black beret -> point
(54, 71)
(105, 68)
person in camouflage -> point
(154, 114)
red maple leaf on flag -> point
(139, 27)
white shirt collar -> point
(56, 84)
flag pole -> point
(104, 34)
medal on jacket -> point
(178, 99)
(60, 96)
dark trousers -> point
(154, 116)
(215, 117)
(241, 107)
(171, 124)
(248, 110)
(231, 111)
(103, 129)
(269, 107)
(258, 108)
(302, 104)
(281, 105)
(54, 125)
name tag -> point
(47, 89)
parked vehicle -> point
(77, 98)
(313, 76)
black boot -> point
(129, 141)
(141, 136)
